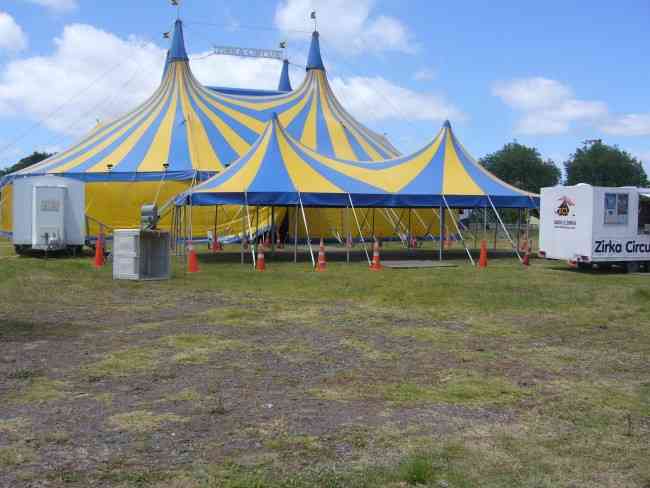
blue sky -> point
(549, 74)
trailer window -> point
(616, 208)
(644, 214)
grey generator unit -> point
(141, 254)
(48, 214)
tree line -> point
(522, 166)
(595, 163)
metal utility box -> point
(48, 213)
(587, 224)
(141, 254)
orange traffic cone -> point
(192, 261)
(524, 246)
(526, 260)
(260, 264)
(483, 259)
(321, 265)
(99, 252)
(376, 261)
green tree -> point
(602, 165)
(522, 167)
(35, 157)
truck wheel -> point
(584, 266)
(632, 267)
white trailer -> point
(587, 225)
(48, 214)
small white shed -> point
(48, 213)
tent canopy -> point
(199, 131)
(278, 170)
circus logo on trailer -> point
(565, 213)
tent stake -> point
(514, 247)
(359, 227)
(453, 219)
(304, 218)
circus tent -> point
(278, 170)
(186, 132)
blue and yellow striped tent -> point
(280, 171)
(185, 133)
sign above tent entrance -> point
(248, 52)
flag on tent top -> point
(313, 14)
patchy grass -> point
(502, 377)
(38, 390)
(130, 361)
(142, 421)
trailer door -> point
(48, 225)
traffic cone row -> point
(321, 265)
(483, 258)
(192, 259)
(376, 260)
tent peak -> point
(285, 82)
(177, 51)
(447, 124)
(314, 60)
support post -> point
(359, 227)
(243, 232)
(295, 234)
(442, 232)
(504, 229)
(348, 234)
(304, 218)
(272, 231)
(451, 215)
(253, 247)
(518, 228)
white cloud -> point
(57, 5)
(373, 99)
(547, 106)
(628, 125)
(237, 72)
(424, 74)
(91, 75)
(12, 36)
(347, 26)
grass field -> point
(451, 377)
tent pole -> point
(257, 223)
(519, 228)
(348, 234)
(243, 235)
(453, 219)
(442, 232)
(250, 231)
(410, 232)
(304, 218)
(216, 225)
(295, 234)
(272, 231)
(427, 228)
(359, 227)
(373, 224)
(496, 235)
(514, 246)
